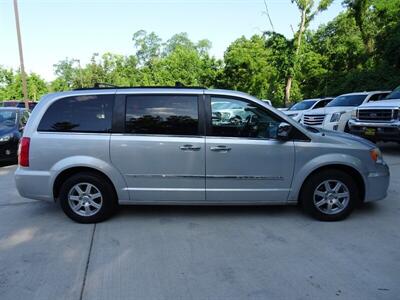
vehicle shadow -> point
(209, 210)
(389, 148)
(268, 211)
(8, 163)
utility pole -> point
(21, 57)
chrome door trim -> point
(164, 176)
(202, 190)
(243, 177)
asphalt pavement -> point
(200, 252)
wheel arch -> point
(354, 173)
(65, 174)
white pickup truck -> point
(378, 121)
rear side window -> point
(90, 113)
(162, 114)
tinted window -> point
(322, 103)
(378, 97)
(395, 94)
(79, 114)
(349, 100)
(303, 105)
(236, 118)
(162, 114)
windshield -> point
(8, 118)
(395, 94)
(349, 100)
(303, 105)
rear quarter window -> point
(89, 113)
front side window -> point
(236, 118)
(377, 97)
(79, 114)
(321, 104)
(162, 114)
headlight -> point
(376, 155)
(293, 115)
(5, 138)
(336, 116)
(354, 114)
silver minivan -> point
(93, 149)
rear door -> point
(160, 149)
(245, 163)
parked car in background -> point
(12, 122)
(337, 113)
(378, 121)
(20, 104)
(91, 150)
(297, 110)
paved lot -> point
(199, 252)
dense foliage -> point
(358, 50)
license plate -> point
(370, 131)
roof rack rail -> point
(99, 85)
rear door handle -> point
(189, 148)
(220, 148)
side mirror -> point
(284, 130)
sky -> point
(53, 30)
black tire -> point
(316, 181)
(108, 198)
(347, 128)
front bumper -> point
(389, 131)
(34, 184)
(8, 150)
(377, 183)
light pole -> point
(21, 57)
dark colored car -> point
(19, 104)
(12, 122)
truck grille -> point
(377, 114)
(312, 120)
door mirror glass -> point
(284, 130)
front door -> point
(245, 163)
(161, 153)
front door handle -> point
(189, 148)
(220, 148)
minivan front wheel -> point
(330, 195)
(87, 198)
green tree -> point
(308, 11)
(148, 46)
(247, 67)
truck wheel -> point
(329, 195)
(347, 128)
(87, 198)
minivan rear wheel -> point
(330, 195)
(87, 198)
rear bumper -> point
(383, 131)
(34, 184)
(377, 184)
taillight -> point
(23, 157)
